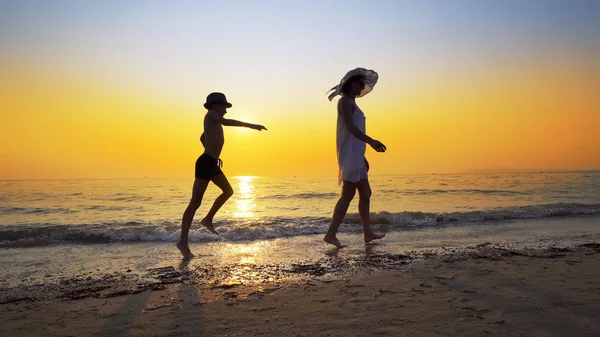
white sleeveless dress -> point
(351, 150)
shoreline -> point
(52, 271)
(248, 270)
(479, 290)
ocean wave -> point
(411, 192)
(35, 210)
(300, 196)
(267, 227)
(132, 198)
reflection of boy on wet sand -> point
(208, 167)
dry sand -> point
(481, 292)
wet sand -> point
(482, 290)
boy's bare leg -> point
(341, 207)
(197, 194)
(364, 205)
(222, 182)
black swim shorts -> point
(207, 167)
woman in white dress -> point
(351, 144)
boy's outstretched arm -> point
(232, 122)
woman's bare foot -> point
(208, 224)
(185, 250)
(334, 241)
(372, 236)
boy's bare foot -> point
(372, 236)
(185, 250)
(208, 224)
(334, 241)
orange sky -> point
(90, 114)
(520, 119)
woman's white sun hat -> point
(370, 76)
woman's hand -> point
(377, 145)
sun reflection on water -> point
(246, 203)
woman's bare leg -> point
(341, 207)
(364, 206)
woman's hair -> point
(348, 84)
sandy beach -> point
(214, 168)
(481, 290)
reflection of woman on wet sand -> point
(351, 143)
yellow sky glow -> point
(526, 118)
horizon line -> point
(474, 172)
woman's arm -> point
(346, 109)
